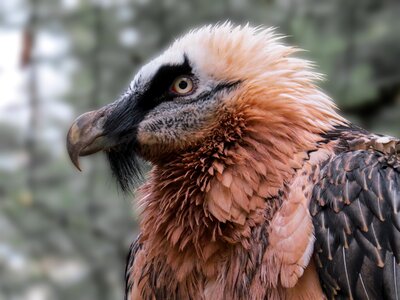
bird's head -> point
(207, 84)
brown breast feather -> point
(234, 207)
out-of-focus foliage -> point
(64, 234)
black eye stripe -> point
(162, 80)
(135, 104)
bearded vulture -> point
(259, 189)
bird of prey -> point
(259, 189)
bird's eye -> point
(182, 85)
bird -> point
(258, 188)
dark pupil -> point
(183, 84)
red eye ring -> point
(182, 85)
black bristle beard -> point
(126, 166)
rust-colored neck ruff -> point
(201, 202)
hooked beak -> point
(86, 135)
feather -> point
(364, 232)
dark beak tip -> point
(73, 148)
(74, 157)
(75, 162)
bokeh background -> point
(65, 234)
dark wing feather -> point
(134, 248)
(356, 215)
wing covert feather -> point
(356, 214)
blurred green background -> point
(65, 234)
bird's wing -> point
(356, 215)
(133, 250)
